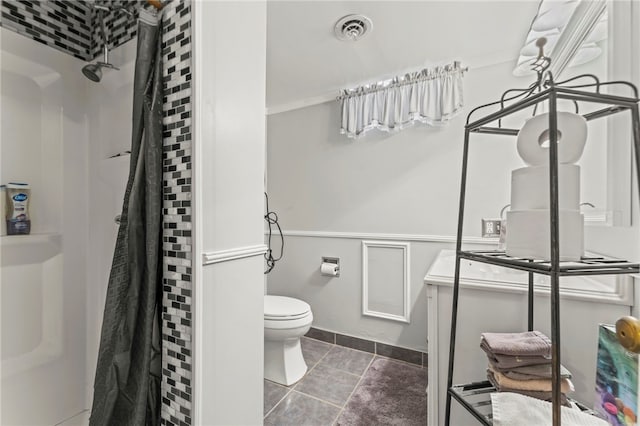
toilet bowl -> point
(285, 320)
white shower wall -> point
(44, 275)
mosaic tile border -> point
(390, 351)
(72, 26)
(177, 343)
(64, 25)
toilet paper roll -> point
(530, 187)
(572, 135)
(329, 269)
(528, 234)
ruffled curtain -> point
(430, 96)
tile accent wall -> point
(67, 26)
(177, 345)
(64, 24)
(72, 26)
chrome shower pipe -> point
(94, 71)
(105, 40)
(101, 9)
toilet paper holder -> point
(333, 261)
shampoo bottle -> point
(17, 213)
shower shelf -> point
(31, 248)
(34, 238)
(119, 156)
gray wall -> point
(335, 192)
(331, 193)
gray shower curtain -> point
(128, 374)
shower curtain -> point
(128, 374)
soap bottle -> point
(17, 213)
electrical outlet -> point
(491, 227)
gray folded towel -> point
(528, 343)
(545, 396)
(531, 372)
(508, 362)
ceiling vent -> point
(352, 27)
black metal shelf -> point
(475, 397)
(586, 266)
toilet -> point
(285, 320)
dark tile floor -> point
(348, 387)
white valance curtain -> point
(431, 96)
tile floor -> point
(348, 387)
(342, 387)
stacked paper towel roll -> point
(528, 220)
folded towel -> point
(541, 385)
(528, 343)
(544, 396)
(530, 372)
(508, 362)
(510, 409)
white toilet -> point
(285, 320)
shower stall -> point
(62, 134)
(68, 136)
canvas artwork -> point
(616, 380)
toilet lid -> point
(281, 307)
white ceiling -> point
(305, 60)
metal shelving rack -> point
(475, 397)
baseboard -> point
(371, 346)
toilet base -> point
(283, 361)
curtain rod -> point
(422, 75)
(158, 4)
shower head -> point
(93, 72)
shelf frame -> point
(553, 267)
(466, 392)
(587, 265)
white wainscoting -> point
(233, 254)
(385, 283)
(387, 236)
